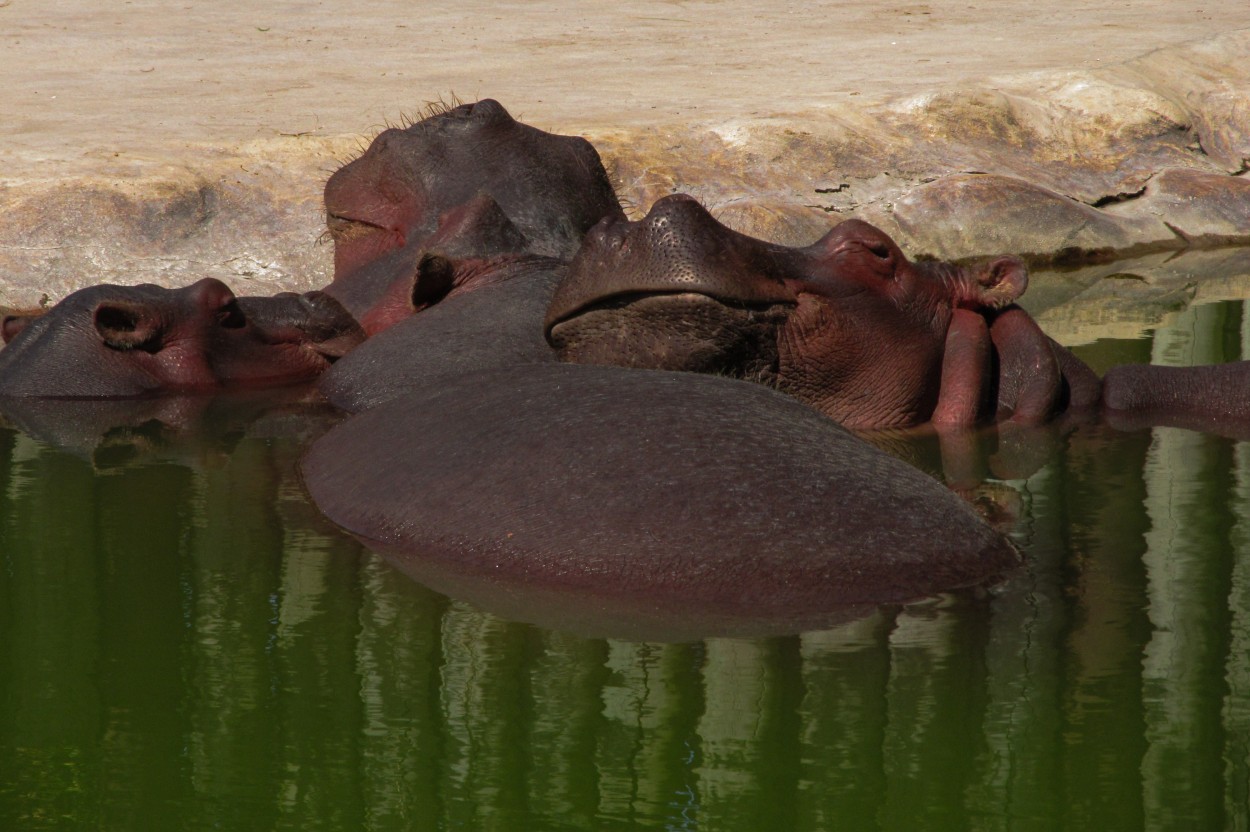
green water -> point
(185, 645)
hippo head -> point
(397, 284)
(847, 324)
(551, 187)
(111, 341)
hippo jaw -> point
(675, 290)
(313, 329)
(673, 331)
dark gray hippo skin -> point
(719, 498)
(411, 182)
(109, 341)
(1211, 398)
(496, 326)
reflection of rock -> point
(1128, 298)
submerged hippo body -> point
(697, 493)
(496, 325)
(1212, 398)
(111, 341)
(465, 166)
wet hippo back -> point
(683, 489)
(492, 327)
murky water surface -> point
(184, 644)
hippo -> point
(391, 287)
(1213, 398)
(495, 323)
(852, 327)
(550, 188)
(688, 497)
(847, 324)
(109, 341)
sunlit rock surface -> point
(1105, 160)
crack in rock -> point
(1124, 196)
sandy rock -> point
(253, 222)
(1059, 165)
(964, 214)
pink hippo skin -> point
(111, 341)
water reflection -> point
(184, 643)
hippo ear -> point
(477, 227)
(126, 326)
(12, 325)
(1000, 282)
(435, 277)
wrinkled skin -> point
(855, 329)
(706, 502)
(411, 181)
(847, 324)
(497, 324)
(111, 341)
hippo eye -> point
(231, 316)
(881, 250)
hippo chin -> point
(111, 341)
(690, 492)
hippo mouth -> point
(313, 321)
(673, 331)
(653, 300)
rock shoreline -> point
(1151, 155)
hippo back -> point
(696, 492)
(495, 326)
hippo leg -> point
(1213, 398)
(966, 365)
(1030, 383)
(1082, 384)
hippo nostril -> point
(230, 316)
